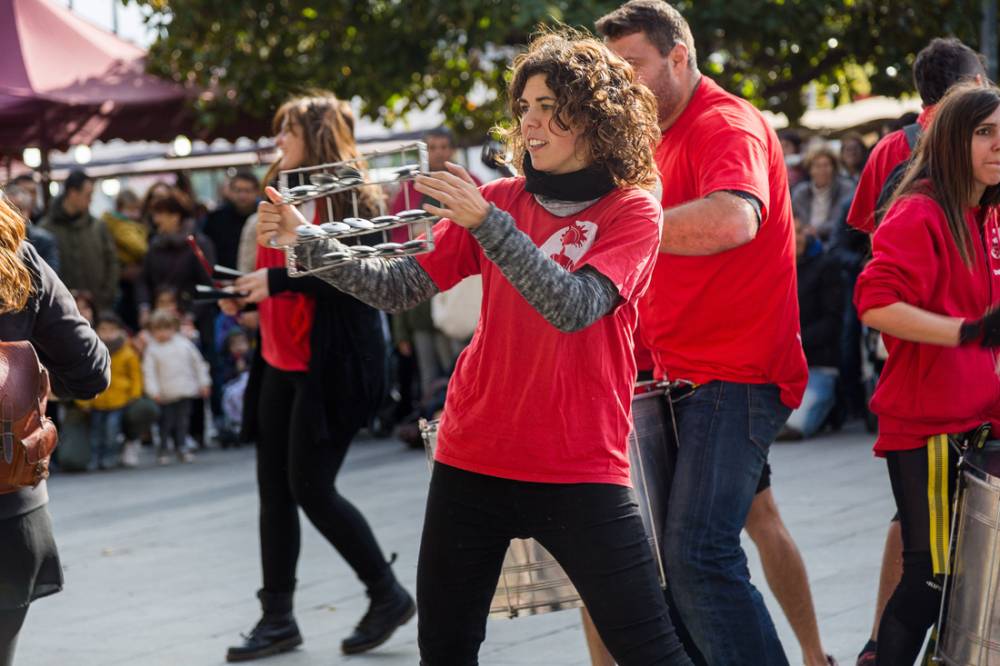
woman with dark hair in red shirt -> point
(532, 442)
(317, 380)
(931, 288)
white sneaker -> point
(130, 454)
(162, 460)
(186, 457)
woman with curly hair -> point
(533, 438)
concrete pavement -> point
(162, 563)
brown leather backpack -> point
(27, 436)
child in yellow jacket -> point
(108, 408)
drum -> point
(531, 581)
(971, 634)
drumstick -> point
(193, 243)
(206, 293)
(227, 272)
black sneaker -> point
(389, 610)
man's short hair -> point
(663, 26)
(442, 133)
(76, 180)
(248, 176)
(24, 179)
(941, 64)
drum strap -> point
(937, 501)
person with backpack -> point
(939, 65)
(36, 306)
(932, 288)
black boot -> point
(391, 607)
(276, 632)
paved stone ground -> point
(162, 563)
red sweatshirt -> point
(926, 389)
(886, 154)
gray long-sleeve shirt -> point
(570, 301)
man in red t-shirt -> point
(721, 314)
(938, 66)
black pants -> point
(175, 424)
(923, 484)
(295, 468)
(593, 530)
(10, 626)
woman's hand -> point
(459, 195)
(254, 285)
(276, 221)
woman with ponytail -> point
(36, 306)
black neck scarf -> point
(592, 182)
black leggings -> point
(923, 484)
(593, 530)
(10, 626)
(295, 468)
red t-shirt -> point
(527, 401)
(885, 156)
(285, 320)
(732, 316)
(924, 389)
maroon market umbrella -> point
(64, 81)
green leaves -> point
(400, 55)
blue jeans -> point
(821, 394)
(105, 426)
(724, 431)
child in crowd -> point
(166, 299)
(233, 373)
(175, 374)
(107, 409)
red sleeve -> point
(889, 152)
(627, 243)
(456, 255)
(906, 256)
(734, 159)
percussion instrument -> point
(531, 581)
(372, 238)
(970, 610)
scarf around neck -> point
(583, 185)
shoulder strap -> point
(912, 132)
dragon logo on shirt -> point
(569, 244)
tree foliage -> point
(399, 55)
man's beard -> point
(668, 95)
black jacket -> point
(347, 373)
(87, 255)
(171, 262)
(821, 309)
(78, 363)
